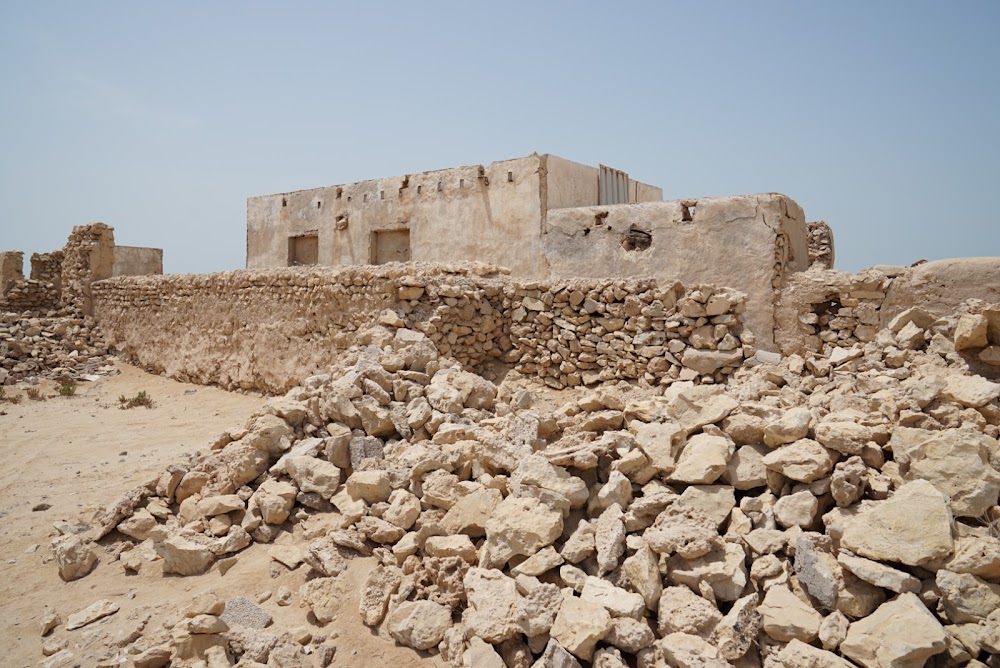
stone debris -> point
(829, 509)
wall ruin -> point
(490, 213)
(266, 330)
(749, 243)
(90, 254)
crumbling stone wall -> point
(88, 256)
(40, 292)
(47, 267)
(821, 253)
(267, 329)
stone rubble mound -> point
(832, 510)
(57, 344)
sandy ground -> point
(78, 454)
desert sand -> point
(76, 454)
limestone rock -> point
(785, 616)
(519, 526)
(617, 601)
(912, 527)
(314, 475)
(481, 654)
(798, 654)
(418, 624)
(184, 556)
(630, 635)
(660, 442)
(371, 486)
(536, 470)
(738, 630)
(790, 427)
(804, 460)
(970, 332)
(641, 572)
(957, 463)
(492, 599)
(537, 607)
(580, 625)
(879, 574)
(703, 459)
(75, 556)
(381, 583)
(682, 530)
(681, 610)
(609, 538)
(966, 598)
(555, 656)
(91, 614)
(796, 510)
(970, 391)
(902, 633)
(689, 651)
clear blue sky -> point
(882, 118)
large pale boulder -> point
(804, 460)
(184, 556)
(966, 598)
(382, 583)
(902, 633)
(785, 616)
(519, 526)
(75, 556)
(661, 443)
(313, 475)
(792, 425)
(580, 625)
(537, 471)
(912, 527)
(703, 459)
(683, 611)
(970, 391)
(957, 463)
(970, 332)
(617, 601)
(418, 624)
(492, 605)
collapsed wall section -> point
(824, 308)
(266, 330)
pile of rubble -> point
(60, 345)
(831, 510)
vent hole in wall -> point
(284, 201)
(637, 240)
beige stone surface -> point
(912, 527)
(902, 633)
(580, 625)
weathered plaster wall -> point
(137, 261)
(497, 206)
(942, 285)
(269, 329)
(748, 243)
(490, 214)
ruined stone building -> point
(543, 217)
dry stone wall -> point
(88, 256)
(267, 329)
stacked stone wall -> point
(266, 330)
(38, 293)
(88, 256)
